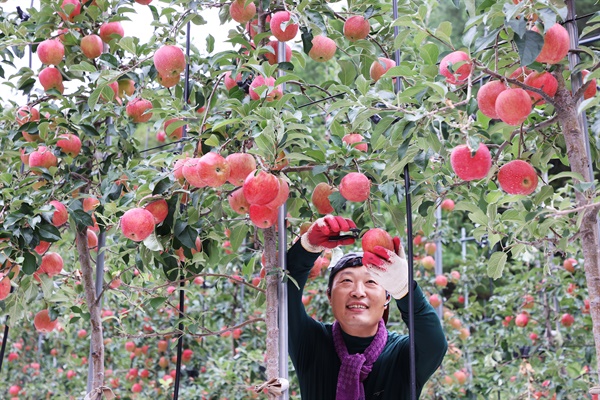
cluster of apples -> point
(138, 223)
(514, 177)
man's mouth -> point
(357, 306)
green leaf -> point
(152, 243)
(186, 234)
(347, 73)
(83, 67)
(429, 53)
(48, 232)
(496, 264)
(337, 201)
(210, 44)
(238, 233)
(82, 219)
(157, 302)
(529, 46)
(29, 263)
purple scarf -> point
(356, 367)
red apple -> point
(569, 264)
(461, 377)
(273, 58)
(176, 133)
(430, 248)
(136, 110)
(352, 138)
(4, 286)
(51, 51)
(73, 7)
(213, 169)
(108, 29)
(191, 172)
(159, 209)
(591, 89)
(168, 81)
(229, 82)
(14, 390)
(238, 202)
(441, 281)
(286, 32)
(376, 237)
(567, 320)
(42, 247)
(522, 319)
(42, 157)
(242, 11)
(282, 195)
(380, 67)
(51, 78)
(178, 169)
(161, 136)
(82, 333)
(435, 300)
(520, 74)
(143, 2)
(241, 164)
(428, 262)
(91, 46)
(323, 48)
(320, 198)
(52, 264)
(137, 224)
(70, 144)
(271, 93)
(126, 86)
(541, 80)
(90, 203)
(486, 98)
(92, 239)
(169, 61)
(43, 323)
(447, 205)
(61, 215)
(355, 186)
(260, 188)
(27, 114)
(469, 167)
(556, 45)
(517, 177)
(263, 216)
(456, 74)
(356, 28)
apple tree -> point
(490, 117)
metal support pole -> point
(439, 268)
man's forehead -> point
(358, 270)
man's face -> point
(357, 301)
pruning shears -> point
(354, 233)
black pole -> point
(186, 95)
(4, 340)
(409, 243)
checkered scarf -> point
(356, 367)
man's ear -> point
(328, 291)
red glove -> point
(390, 268)
(318, 237)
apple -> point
(14, 390)
(469, 167)
(70, 144)
(522, 320)
(520, 74)
(352, 138)
(464, 333)
(453, 74)
(323, 48)
(91, 46)
(263, 216)
(4, 286)
(51, 52)
(82, 333)
(556, 45)
(461, 377)
(486, 98)
(591, 90)
(42, 247)
(272, 92)
(229, 82)
(242, 11)
(137, 224)
(517, 177)
(42, 157)
(168, 81)
(191, 172)
(241, 164)
(159, 209)
(177, 133)
(73, 7)
(108, 29)
(541, 80)
(281, 161)
(380, 67)
(282, 195)
(213, 169)
(27, 114)
(441, 281)
(52, 264)
(376, 237)
(60, 215)
(161, 136)
(567, 320)
(356, 28)
(178, 169)
(143, 2)
(144, 374)
(169, 61)
(454, 276)
(281, 26)
(137, 388)
(428, 262)
(115, 88)
(447, 205)
(435, 300)
(162, 346)
(260, 187)
(24, 157)
(90, 203)
(126, 86)
(136, 110)
(51, 78)
(430, 248)
(43, 323)
(273, 58)
(355, 186)
(455, 323)
(320, 198)
(569, 264)
(92, 239)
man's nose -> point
(358, 290)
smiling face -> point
(357, 301)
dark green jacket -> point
(317, 364)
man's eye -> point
(372, 282)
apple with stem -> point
(518, 177)
(260, 187)
(60, 215)
(137, 224)
(376, 237)
(241, 164)
(110, 30)
(323, 48)
(456, 67)
(356, 28)
(469, 165)
(282, 27)
(69, 143)
(136, 110)
(43, 323)
(169, 61)
(91, 46)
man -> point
(356, 358)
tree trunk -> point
(271, 316)
(96, 337)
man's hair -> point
(351, 260)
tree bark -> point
(272, 317)
(96, 337)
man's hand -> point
(390, 268)
(321, 233)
